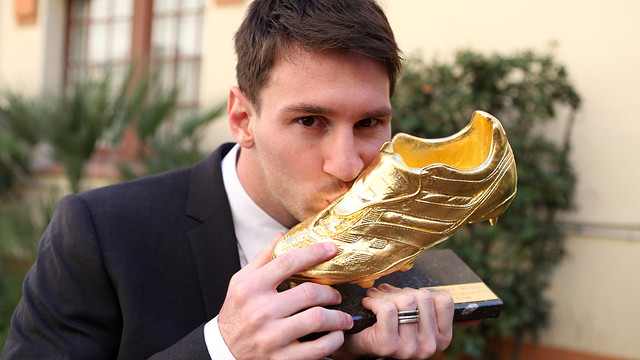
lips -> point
(336, 190)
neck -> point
(255, 186)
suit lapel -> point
(210, 231)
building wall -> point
(218, 68)
(32, 55)
(53, 48)
(597, 41)
(595, 293)
(595, 289)
(21, 50)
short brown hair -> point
(271, 27)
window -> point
(100, 36)
(163, 34)
(176, 40)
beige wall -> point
(218, 71)
(596, 288)
(31, 56)
(595, 294)
(53, 14)
(20, 50)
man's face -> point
(322, 120)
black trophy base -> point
(434, 270)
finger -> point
(315, 320)
(426, 308)
(386, 315)
(262, 258)
(407, 299)
(444, 308)
(403, 299)
(291, 262)
(304, 296)
(384, 288)
(316, 349)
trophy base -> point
(434, 270)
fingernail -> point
(330, 247)
(385, 287)
(349, 322)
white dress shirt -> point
(254, 230)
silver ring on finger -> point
(408, 317)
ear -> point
(241, 116)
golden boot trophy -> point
(415, 194)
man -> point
(147, 267)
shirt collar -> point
(253, 226)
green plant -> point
(17, 142)
(18, 138)
(517, 256)
(22, 223)
(169, 144)
(71, 121)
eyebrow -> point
(307, 108)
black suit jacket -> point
(130, 270)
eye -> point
(310, 121)
(366, 123)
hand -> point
(257, 321)
(432, 333)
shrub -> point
(72, 122)
(517, 256)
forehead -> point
(317, 75)
(302, 61)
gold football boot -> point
(415, 194)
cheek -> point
(371, 150)
(306, 160)
(370, 156)
(293, 166)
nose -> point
(342, 158)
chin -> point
(314, 211)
